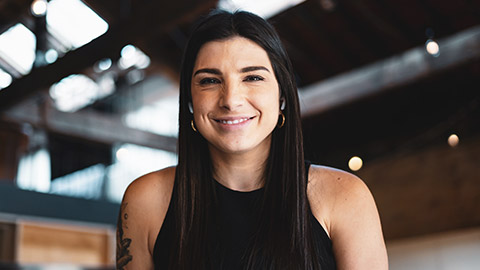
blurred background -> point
(89, 101)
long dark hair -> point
(283, 239)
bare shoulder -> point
(148, 198)
(344, 205)
(143, 209)
(152, 186)
(330, 189)
(337, 185)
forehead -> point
(236, 51)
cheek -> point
(200, 103)
(268, 102)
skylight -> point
(5, 79)
(73, 23)
(265, 9)
(77, 91)
(17, 47)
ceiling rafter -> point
(387, 74)
(88, 126)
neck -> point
(239, 171)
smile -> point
(233, 121)
(230, 122)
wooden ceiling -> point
(325, 39)
(324, 43)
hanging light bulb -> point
(355, 163)
(432, 47)
(39, 8)
(453, 140)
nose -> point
(232, 96)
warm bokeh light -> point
(432, 47)
(453, 140)
(355, 163)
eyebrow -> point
(254, 68)
(218, 72)
(208, 70)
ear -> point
(282, 104)
(190, 107)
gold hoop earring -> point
(193, 125)
(283, 120)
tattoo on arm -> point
(123, 244)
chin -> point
(235, 149)
(243, 147)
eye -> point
(253, 78)
(205, 81)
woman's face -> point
(235, 96)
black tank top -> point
(237, 222)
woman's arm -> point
(351, 219)
(142, 211)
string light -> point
(355, 163)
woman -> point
(242, 196)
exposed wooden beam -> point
(384, 75)
(146, 21)
(89, 126)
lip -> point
(233, 122)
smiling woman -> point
(236, 100)
(242, 196)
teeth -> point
(236, 121)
